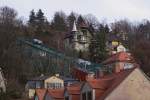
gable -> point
(53, 79)
(135, 87)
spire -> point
(74, 27)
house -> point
(2, 82)
(54, 94)
(112, 42)
(99, 88)
(121, 48)
(131, 84)
(47, 82)
(80, 39)
(73, 91)
(94, 88)
(119, 61)
(43, 82)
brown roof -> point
(40, 93)
(119, 57)
(56, 93)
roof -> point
(74, 89)
(100, 83)
(83, 25)
(112, 37)
(40, 93)
(56, 93)
(118, 78)
(119, 57)
(79, 73)
(40, 78)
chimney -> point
(101, 73)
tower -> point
(79, 39)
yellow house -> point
(52, 82)
(47, 82)
(115, 43)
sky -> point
(104, 10)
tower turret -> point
(74, 29)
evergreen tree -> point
(38, 22)
(71, 18)
(40, 17)
(32, 18)
(59, 22)
(98, 47)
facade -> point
(80, 39)
(47, 82)
(119, 61)
(54, 82)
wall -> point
(31, 93)
(53, 79)
(135, 87)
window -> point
(128, 66)
(54, 85)
(79, 37)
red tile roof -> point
(100, 83)
(75, 88)
(40, 93)
(104, 86)
(121, 57)
(118, 78)
(56, 93)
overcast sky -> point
(110, 10)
